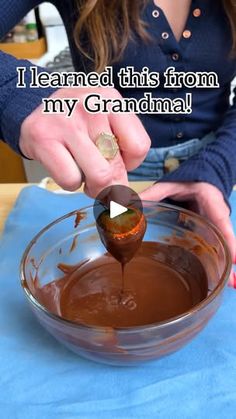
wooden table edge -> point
(10, 191)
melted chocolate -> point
(123, 235)
(161, 281)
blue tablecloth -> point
(40, 379)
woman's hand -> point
(203, 198)
(66, 146)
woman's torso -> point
(204, 46)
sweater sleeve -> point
(16, 104)
(216, 162)
(13, 11)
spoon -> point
(122, 235)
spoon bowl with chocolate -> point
(170, 288)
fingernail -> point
(234, 280)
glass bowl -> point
(74, 238)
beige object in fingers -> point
(107, 144)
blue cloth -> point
(205, 48)
(40, 379)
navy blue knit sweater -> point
(204, 46)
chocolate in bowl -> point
(173, 285)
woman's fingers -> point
(100, 125)
(217, 211)
(159, 191)
(134, 141)
(225, 226)
(117, 175)
(210, 203)
(72, 138)
(218, 214)
(61, 166)
(99, 173)
(97, 170)
(232, 279)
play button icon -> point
(117, 200)
(120, 222)
(116, 209)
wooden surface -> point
(29, 50)
(11, 166)
(9, 193)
